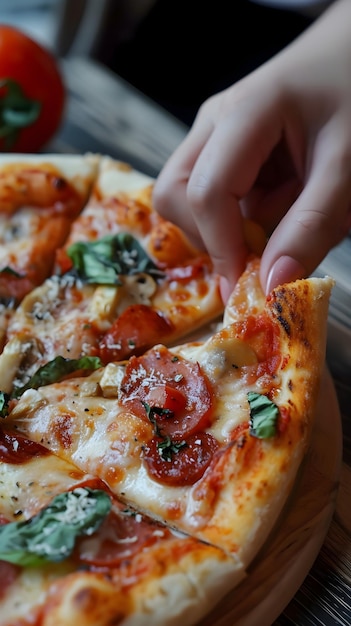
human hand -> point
(275, 148)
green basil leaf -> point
(51, 534)
(168, 448)
(16, 111)
(8, 270)
(4, 403)
(263, 415)
(56, 369)
(104, 260)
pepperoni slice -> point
(180, 465)
(137, 329)
(148, 384)
(14, 448)
(121, 535)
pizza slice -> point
(40, 196)
(71, 553)
(207, 436)
(125, 279)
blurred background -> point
(178, 52)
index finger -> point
(223, 174)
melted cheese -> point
(49, 475)
(97, 435)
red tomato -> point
(32, 93)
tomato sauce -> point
(263, 336)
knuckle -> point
(319, 223)
(200, 195)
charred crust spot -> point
(278, 307)
(285, 324)
(59, 183)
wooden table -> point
(105, 114)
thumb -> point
(318, 220)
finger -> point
(224, 172)
(320, 217)
(170, 189)
(268, 208)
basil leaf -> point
(16, 111)
(8, 270)
(4, 404)
(104, 260)
(168, 448)
(54, 370)
(152, 412)
(263, 415)
(51, 534)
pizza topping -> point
(55, 370)
(12, 272)
(263, 416)
(109, 301)
(152, 379)
(103, 261)
(122, 534)
(180, 464)
(51, 534)
(4, 403)
(137, 329)
(16, 449)
(263, 336)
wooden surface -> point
(106, 115)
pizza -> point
(122, 279)
(39, 200)
(151, 438)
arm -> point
(274, 147)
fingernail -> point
(284, 270)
